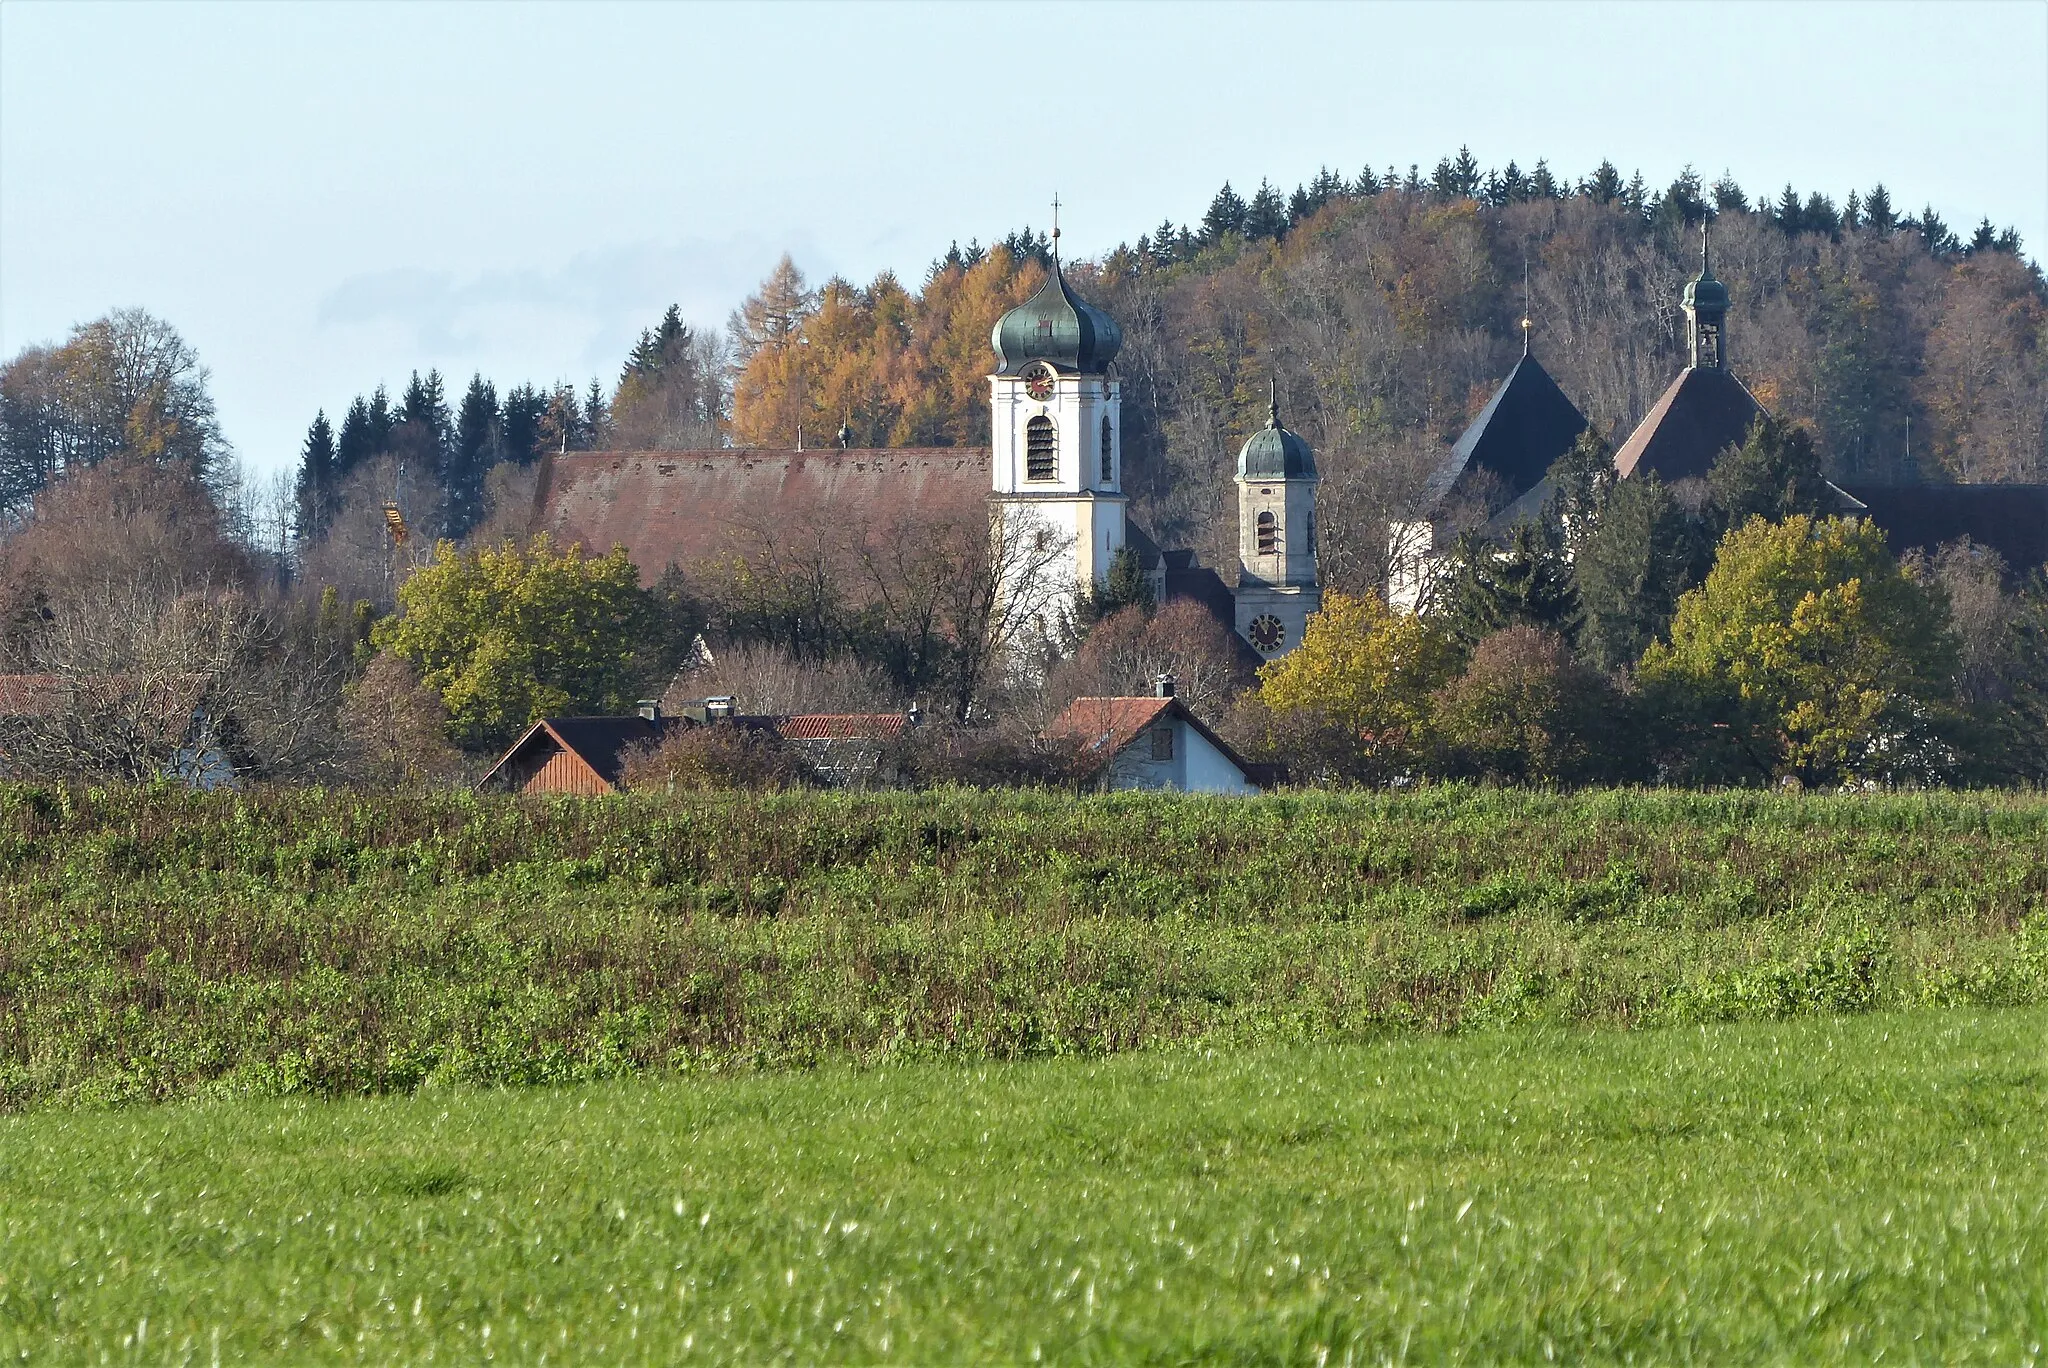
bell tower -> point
(1277, 582)
(1706, 313)
(1056, 430)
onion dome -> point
(1703, 293)
(1274, 453)
(1058, 327)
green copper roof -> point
(1058, 327)
(1703, 293)
(1274, 453)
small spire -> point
(1705, 269)
(1055, 229)
(1273, 408)
(1527, 321)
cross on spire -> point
(1055, 226)
(1527, 321)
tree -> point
(472, 452)
(1580, 480)
(1642, 552)
(1225, 216)
(773, 316)
(1833, 661)
(1352, 701)
(597, 417)
(1604, 185)
(357, 445)
(511, 633)
(314, 489)
(1728, 196)
(396, 729)
(1775, 473)
(519, 423)
(123, 385)
(1266, 216)
(1525, 712)
(1487, 587)
(1878, 212)
(1126, 652)
(669, 396)
(1124, 587)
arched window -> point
(1041, 450)
(1269, 535)
(1108, 447)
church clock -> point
(1266, 632)
(1038, 381)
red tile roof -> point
(686, 507)
(1107, 725)
(843, 726)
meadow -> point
(157, 944)
(1847, 1189)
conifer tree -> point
(1543, 185)
(358, 443)
(471, 455)
(1789, 213)
(1265, 216)
(1776, 474)
(597, 417)
(519, 423)
(1878, 211)
(314, 489)
(1526, 583)
(1642, 553)
(1226, 215)
(1604, 185)
(1728, 196)
(381, 422)
(1465, 175)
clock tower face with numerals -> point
(1267, 633)
(1038, 381)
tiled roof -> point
(1107, 725)
(688, 507)
(1518, 436)
(1701, 414)
(842, 726)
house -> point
(846, 748)
(1153, 743)
(587, 755)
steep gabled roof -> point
(1524, 428)
(599, 742)
(1104, 726)
(1701, 414)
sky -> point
(323, 197)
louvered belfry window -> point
(1041, 450)
(1108, 445)
(1269, 535)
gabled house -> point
(1152, 743)
(846, 748)
(585, 755)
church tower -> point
(1276, 537)
(1706, 310)
(1056, 431)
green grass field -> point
(1825, 1189)
(156, 944)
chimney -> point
(1162, 686)
(916, 715)
(718, 709)
(649, 708)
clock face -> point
(1266, 632)
(1038, 381)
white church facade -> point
(1057, 463)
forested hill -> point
(1388, 307)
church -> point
(1053, 469)
(1496, 475)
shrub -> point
(719, 756)
(1526, 712)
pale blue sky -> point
(322, 197)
